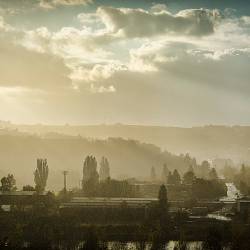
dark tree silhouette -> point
(90, 176)
(213, 174)
(203, 170)
(153, 174)
(188, 177)
(163, 197)
(213, 240)
(8, 183)
(104, 172)
(176, 177)
(91, 242)
(163, 209)
(41, 174)
(28, 188)
(208, 189)
(165, 173)
(170, 180)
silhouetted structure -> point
(65, 181)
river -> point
(169, 246)
(232, 193)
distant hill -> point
(128, 158)
(206, 142)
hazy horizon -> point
(123, 124)
(171, 73)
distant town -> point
(124, 125)
(198, 208)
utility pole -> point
(65, 181)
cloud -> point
(4, 27)
(27, 68)
(96, 53)
(102, 89)
(68, 42)
(110, 28)
(127, 65)
(89, 54)
(233, 32)
(41, 59)
(188, 62)
(97, 78)
(50, 4)
(141, 23)
(89, 18)
(159, 8)
(98, 72)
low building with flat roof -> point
(108, 202)
(243, 207)
(10, 200)
(108, 210)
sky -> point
(168, 62)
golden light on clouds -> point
(124, 60)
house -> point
(24, 200)
(243, 207)
(107, 210)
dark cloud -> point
(53, 3)
(141, 23)
(218, 69)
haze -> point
(151, 66)
(125, 124)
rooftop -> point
(20, 193)
(108, 202)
